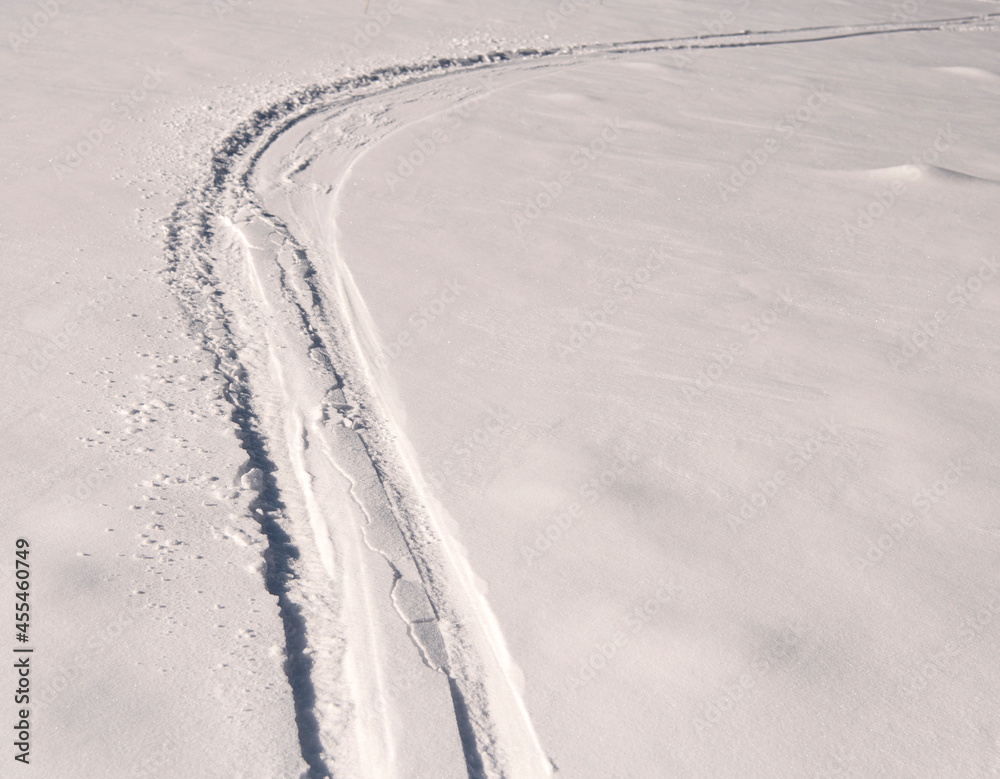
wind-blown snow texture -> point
(430, 390)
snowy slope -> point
(524, 390)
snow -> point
(436, 389)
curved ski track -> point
(301, 362)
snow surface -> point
(525, 390)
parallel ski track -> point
(192, 246)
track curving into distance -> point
(358, 547)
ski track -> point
(302, 364)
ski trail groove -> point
(313, 414)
